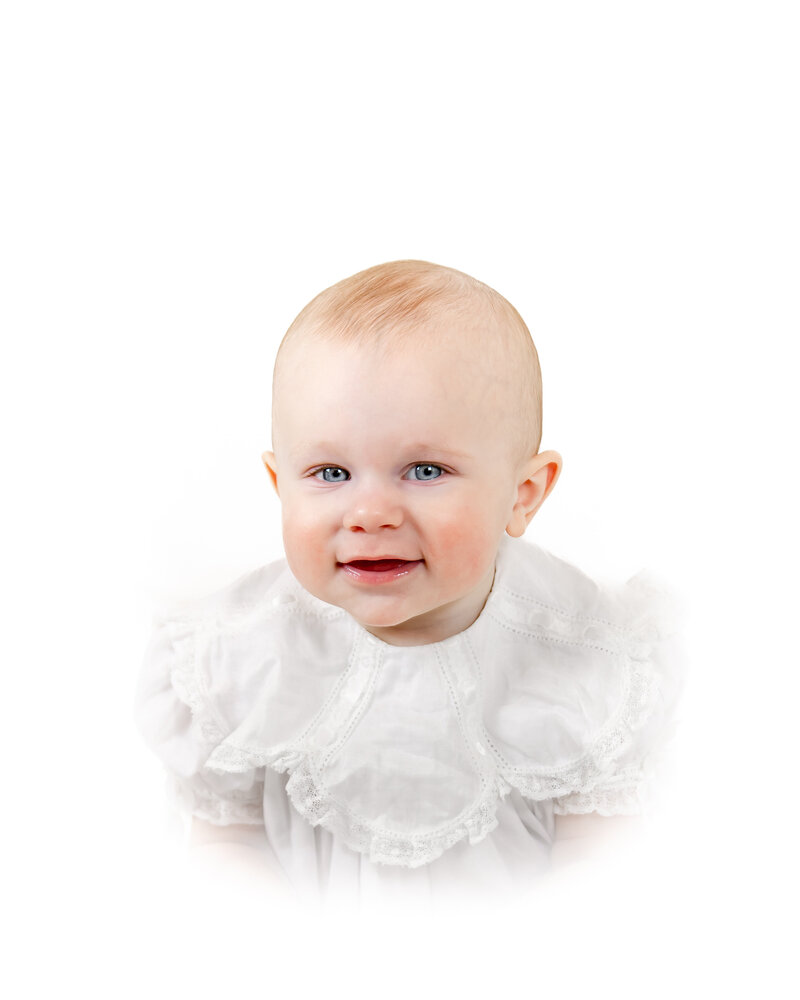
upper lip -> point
(376, 559)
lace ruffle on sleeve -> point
(623, 759)
(180, 719)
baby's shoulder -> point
(258, 590)
(221, 653)
(553, 590)
(599, 667)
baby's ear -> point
(268, 458)
(537, 478)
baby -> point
(406, 427)
(412, 698)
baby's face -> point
(396, 481)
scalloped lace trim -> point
(384, 846)
(188, 688)
(623, 798)
(574, 788)
(582, 778)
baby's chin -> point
(375, 614)
(387, 620)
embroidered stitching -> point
(565, 614)
(551, 638)
(358, 710)
(479, 770)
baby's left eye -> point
(425, 472)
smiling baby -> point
(406, 428)
(411, 698)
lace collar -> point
(404, 751)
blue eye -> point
(425, 473)
(332, 474)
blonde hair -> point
(403, 301)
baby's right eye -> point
(332, 474)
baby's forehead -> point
(449, 370)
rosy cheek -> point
(301, 530)
(301, 537)
(465, 544)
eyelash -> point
(319, 472)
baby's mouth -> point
(372, 571)
(378, 565)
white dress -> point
(431, 768)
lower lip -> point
(389, 570)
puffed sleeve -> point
(631, 751)
(181, 713)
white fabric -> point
(372, 766)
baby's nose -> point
(372, 510)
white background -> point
(179, 179)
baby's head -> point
(406, 424)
